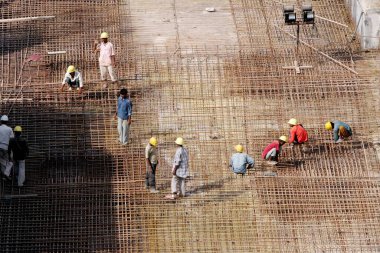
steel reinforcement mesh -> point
(85, 192)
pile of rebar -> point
(85, 192)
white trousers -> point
(20, 170)
(178, 181)
(103, 73)
(123, 129)
(6, 165)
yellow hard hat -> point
(153, 141)
(239, 148)
(70, 69)
(17, 129)
(328, 126)
(179, 141)
(283, 138)
(104, 35)
(292, 122)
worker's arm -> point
(64, 82)
(80, 83)
(149, 164)
(250, 162)
(96, 46)
(336, 134)
(292, 134)
(113, 59)
(174, 170)
(130, 114)
(177, 161)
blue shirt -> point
(337, 124)
(124, 108)
(239, 162)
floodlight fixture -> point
(308, 13)
(289, 14)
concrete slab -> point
(366, 14)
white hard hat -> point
(4, 118)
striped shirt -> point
(181, 158)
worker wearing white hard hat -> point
(180, 170)
(298, 133)
(151, 164)
(273, 150)
(6, 133)
(106, 58)
(73, 79)
(240, 161)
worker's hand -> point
(62, 88)
(80, 91)
(129, 121)
(115, 116)
(174, 171)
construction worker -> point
(106, 58)
(273, 150)
(240, 162)
(341, 130)
(151, 164)
(18, 148)
(6, 134)
(73, 79)
(298, 134)
(180, 170)
(123, 115)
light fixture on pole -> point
(289, 14)
(308, 14)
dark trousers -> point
(150, 178)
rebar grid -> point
(85, 192)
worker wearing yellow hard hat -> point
(180, 170)
(19, 149)
(73, 79)
(340, 129)
(240, 162)
(298, 134)
(107, 60)
(273, 150)
(151, 164)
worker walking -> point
(19, 150)
(341, 130)
(273, 150)
(151, 165)
(240, 162)
(124, 116)
(180, 170)
(73, 79)
(298, 134)
(106, 57)
(6, 134)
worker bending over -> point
(273, 150)
(240, 162)
(341, 130)
(73, 79)
(6, 134)
(151, 165)
(298, 134)
(180, 170)
(19, 150)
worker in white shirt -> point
(106, 58)
(73, 79)
(6, 133)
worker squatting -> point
(240, 162)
